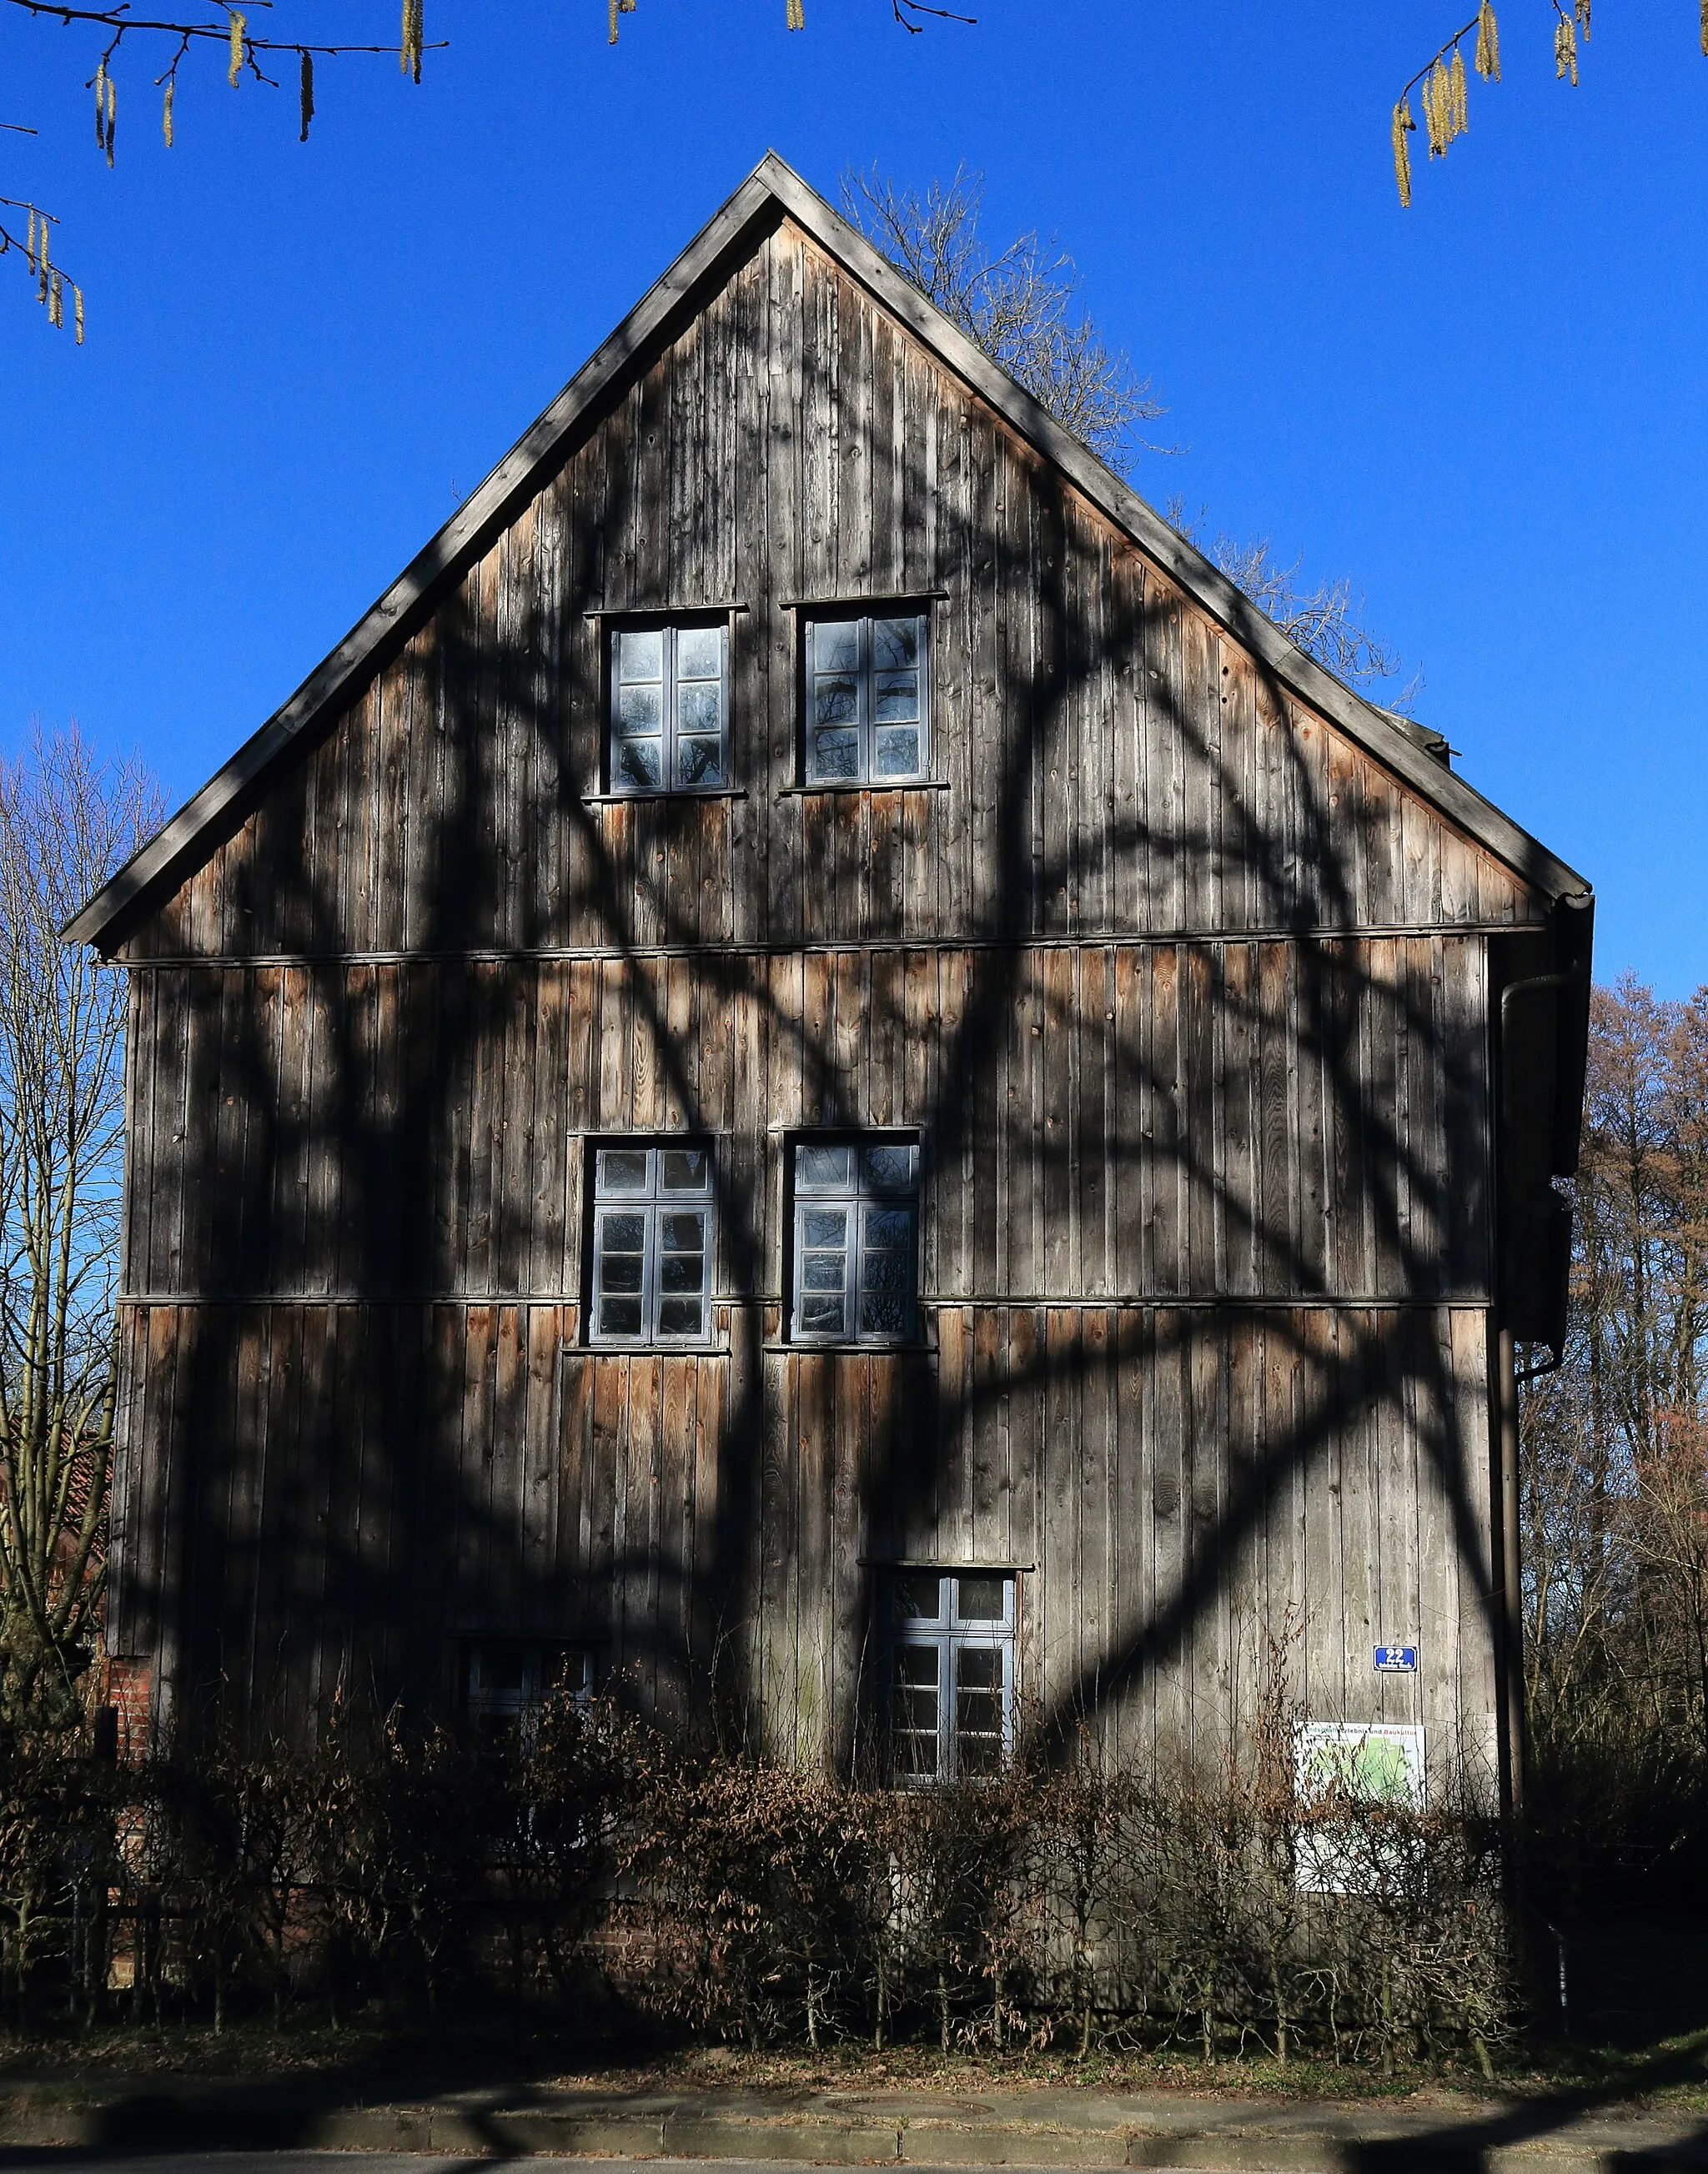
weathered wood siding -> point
(332, 1492)
(1117, 1121)
(1188, 997)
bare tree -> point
(1326, 621)
(1615, 1453)
(66, 821)
(1020, 305)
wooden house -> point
(816, 1062)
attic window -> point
(669, 715)
(867, 698)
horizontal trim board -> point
(943, 1562)
(666, 611)
(677, 793)
(1127, 1302)
(1098, 940)
(850, 603)
(865, 785)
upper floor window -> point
(950, 1653)
(857, 1241)
(652, 1229)
(669, 707)
(868, 699)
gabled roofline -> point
(770, 191)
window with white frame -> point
(948, 1653)
(868, 699)
(506, 1683)
(653, 1243)
(669, 707)
(856, 1241)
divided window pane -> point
(652, 1244)
(857, 1241)
(949, 1637)
(669, 708)
(866, 698)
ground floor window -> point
(949, 1666)
(507, 1681)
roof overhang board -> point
(772, 191)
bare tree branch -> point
(1018, 303)
(65, 822)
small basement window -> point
(669, 722)
(506, 1683)
(949, 1651)
(652, 1242)
(868, 699)
(856, 1241)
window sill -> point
(608, 1350)
(666, 793)
(884, 785)
(815, 1348)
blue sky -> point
(1490, 411)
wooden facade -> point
(1184, 967)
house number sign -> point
(1397, 1660)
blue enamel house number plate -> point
(1396, 1660)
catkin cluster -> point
(51, 282)
(1447, 111)
(1488, 43)
(107, 106)
(1445, 91)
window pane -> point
(836, 645)
(638, 764)
(981, 1599)
(641, 709)
(895, 643)
(896, 751)
(620, 1271)
(919, 1596)
(623, 1233)
(684, 1232)
(821, 1314)
(913, 1711)
(684, 1169)
(622, 1170)
(700, 652)
(888, 1169)
(619, 1316)
(699, 762)
(883, 1313)
(821, 1272)
(825, 1226)
(819, 1168)
(895, 699)
(681, 1273)
(699, 709)
(886, 1276)
(835, 701)
(500, 1671)
(640, 655)
(835, 755)
(681, 1317)
(978, 1709)
(890, 1227)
